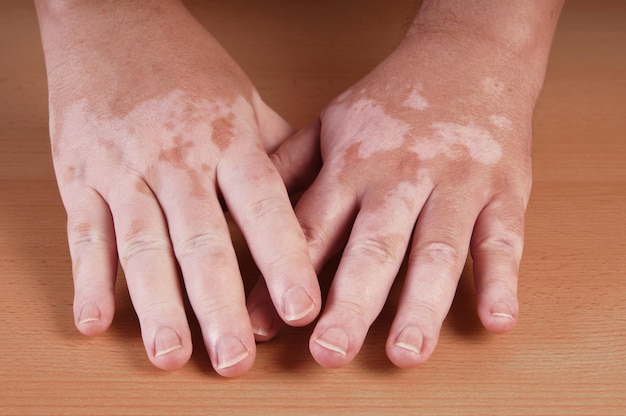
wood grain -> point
(567, 355)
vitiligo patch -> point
(416, 101)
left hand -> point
(430, 154)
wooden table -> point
(566, 356)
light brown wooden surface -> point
(567, 354)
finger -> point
(437, 257)
(204, 250)
(266, 322)
(259, 203)
(94, 260)
(273, 129)
(325, 212)
(153, 283)
(298, 159)
(496, 247)
(368, 267)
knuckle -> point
(441, 252)
(383, 249)
(213, 310)
(205, 245)
(510, 244)
(315, 235)
(141, 244)
(280, 158)
(84, 234)
(283, 264)
(355, 311)
(263, 208)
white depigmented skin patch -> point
(173, 138)
(479, 143)
(155, 121)
(386, 132)
(389, 132)
(416, 101)
(406, 192)
(501, 122)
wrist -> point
(83, 27)
(513, 34)
(66, 8)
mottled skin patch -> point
(156, 135)
(177, 154)
(223, 134)
(142, 188)
(82, 229)
(392, 138)
(404, 164)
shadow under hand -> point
(463, 318)
(289, 351)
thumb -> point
(299, 158)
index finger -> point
(259, 203)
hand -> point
(150, 121)
(429, 154)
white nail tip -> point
(167, 351)
(407, 347)
(503, 315)
(260, 332)
(233, 361)
(331, 347)
(300, 315)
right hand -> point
(150, 122)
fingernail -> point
(501, 310)
(89, 313)
(166, 341)
(261, 319)
(410, 339)
(230, 351)
(334, 339)
(297, 304)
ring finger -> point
(437, 257)
(147, 258)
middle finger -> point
(367, 269)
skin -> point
(151, 122)
(427, 156)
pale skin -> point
(428, 155)
(152, 122)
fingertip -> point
(91, 319)
(266, 322)
(331, 347)
(499, 317)
(301, 305)
(233, 356)
(171, 348)
(410, 347)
